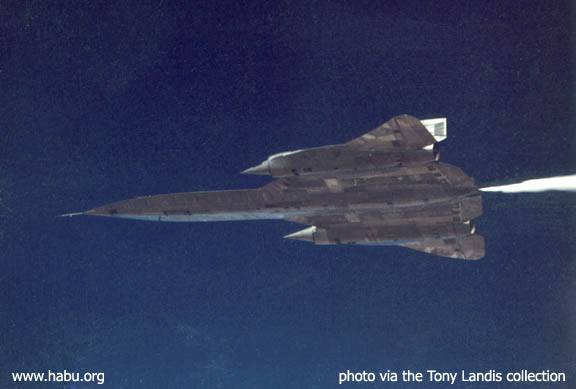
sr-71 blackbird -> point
(384, 188)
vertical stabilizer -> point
(436, 127)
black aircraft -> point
(383, 188)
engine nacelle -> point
(340, 159)
(382, 234)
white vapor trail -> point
(561, 183)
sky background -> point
(105, 101)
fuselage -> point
(394, 191)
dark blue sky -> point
(106, 101)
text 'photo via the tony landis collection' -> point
(462, 376)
